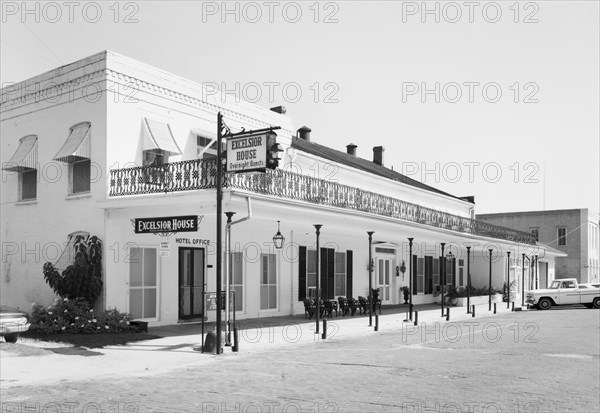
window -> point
(28, 185)
(237, 282)
(24, 162)
(449, 272)
(568, 284)
(536, 232)
(340, 274)
(76, 152)
(562, 235)
(79, 176)
(142, 282)
(268, 282)
(206, 149)
(155, 157)
(311, 272)
(461, 276)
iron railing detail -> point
(201, 174)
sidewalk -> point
(261, 333)
(176, 349)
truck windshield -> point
(555, 285)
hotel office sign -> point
(185, 223)
(247, 153)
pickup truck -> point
(564, 292)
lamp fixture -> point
(278, 239)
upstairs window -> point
(24, 162)
(76, 152)
(158, 143)
(562, 235)
(535, 232)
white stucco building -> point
(96, 144)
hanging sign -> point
(186, 223)
(247, 153)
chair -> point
(376, 300)
(354, 305)
(330, 307)
(309, 308)
(363, 304)
(344, 306)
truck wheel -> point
(544, 304)
(596, 302)
(11, 338)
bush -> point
(83, 278)
(77, 316)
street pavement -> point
(529, 361)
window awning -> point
(78, 144)
(25, 158)
(158, 135)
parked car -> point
(12, 322)
(563, 292)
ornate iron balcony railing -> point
(201, 174)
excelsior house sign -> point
(247, 153)
(185, 223)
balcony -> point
(201, 174)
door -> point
(384, 280)
(191, 282)
(568, 293)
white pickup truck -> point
(564, 292)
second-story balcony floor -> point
(199, 174)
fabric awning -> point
(25, 157)
(158, 135)
(78, 144)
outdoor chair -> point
(354, 305)
(330, 307)
(363, 305)
(344, 306)
(309, 308)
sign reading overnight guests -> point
(247, 153)
(185, 223)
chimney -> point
(279, 109)
(304, 133)
(378, 155)
(351, 149)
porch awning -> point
(25, 157)
(78, 144)
(158, 135)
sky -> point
(499, 100)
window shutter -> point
(442, 268)
(330, 274)
(428, 274)
(453, 272)
(349, 273)
(414, 274)
(301, 273)
(323, 263)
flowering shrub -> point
(77, 316)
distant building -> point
(572, 231)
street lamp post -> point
(468, 280)
(370, 233)
(443, 264)
(523, 281)
(508, 280)
(219, 229)
(228, 276)
(490, 282)
(318, 298)
(410, 281)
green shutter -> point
(349, 273)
